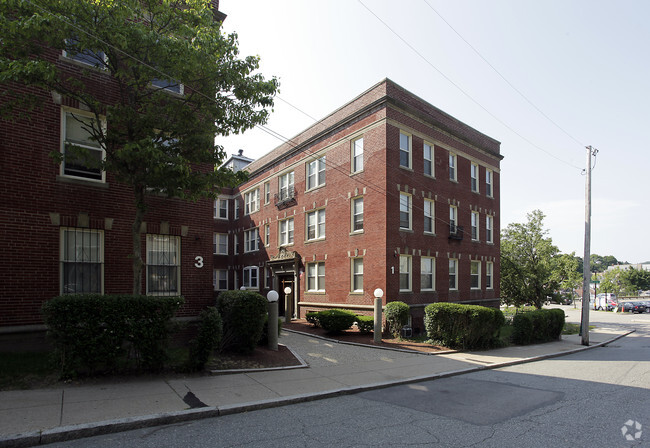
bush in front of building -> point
(336, 320)
(208, 339)
(243, 314)
(264, 340)
(94, 332)
(397, 315)
(366, 324)
(312, 318)
(463, 326)
(537, 326)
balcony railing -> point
(285, 198)
(455, 232)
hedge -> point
(463, 326)
(94, 332)
(207, 340)
(397, 315)
(336, 320)
(366, 324)
(243, 314)
(537, 326)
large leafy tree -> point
(156, 141)
(635, 280)
(531, 266)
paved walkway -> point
(34, 417)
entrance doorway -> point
(283, 282)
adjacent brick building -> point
(386, 192)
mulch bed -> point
(355, 336)
(262, 357)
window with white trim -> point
(357, 155)
(220, 243)
(236, 238)
(163, 265)
(428, 159)
(405, 280)
(357, 215)
(285, 186)
(221, 208)
(82, 261)
(237, 208)
(405, 207)
(316, 173)
(357, 275)
(452, 167)
(169, 85)
(267, 234)
(220, 279)
(316, 277)
(429, 216)
(453, 274)
(83, 156)
(251, 240)
(252, 201)
(475, 226)
(488, 183)
(489, 273)
(73, 51)
(404, 150)
(286, 231)
(489, 226)
(316, 225)
(251, 277)
(427, 274)
(474, 176)
(475, 275)
(453, 218)
(267, 192)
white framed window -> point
(267, 234)
(488, 183)
(82, 155)
(251, 277)
(453, 219)
(251, 240)
(220, 279)
(452, 167)
(428, 159)
(453, 274)
(236, 239)
(405, 279)
(475, 226)
(475, 275)
(267, 277)
(489, 226)
(169, 85)
(429, 216)
(316, 173)
(404, 150)
(427, 274)
(267, 192)
(82, 261)
(221, 208)
(316, 225)
(285, 186)
(474, 176)
(286, 231)
(95, 59)
(405, 207)
(236, 208)
(220, 243)
(357, 275)
(163, 265)
(357, 215)
(489, 274)
(251, 201)
(357, 155)
(316, 277)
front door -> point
(284, 282)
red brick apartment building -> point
(386, 192)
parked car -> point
(632, 307)
(645, 303)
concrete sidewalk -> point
(34, 417)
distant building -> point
(237, 162)
(623, 267)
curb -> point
(80, 431)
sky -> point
(546, 79)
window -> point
(82, 260)
(251, 201)
(316, 173)
(475, 275)
(286, 232)
(169, 85)
(221, 208)
(163, 265)
(220, 244)
(267, 192)
(453, 218)
(489, 233)
(82, 155)
(429, 216)
(404, 273)
(286, 186)
(73, 51)
(316, 225)
(251, 239)
(475, 221)
(453, 273)
(452, 167)
(357, 215)
(488, 183)
(236, 208)
(220, 279)
(267, 234)
(428, 159)
(357, 275)
(404, 211)
(474, 177)
(251, 277)
(404, 150)
(427, 274)
(236, 238)
(489, 269)
(316, 277)
(357, 155)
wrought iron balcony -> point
(285, 198)
(455, 232)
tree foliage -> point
(600, 263)
(156, 141)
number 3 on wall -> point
(199, 261)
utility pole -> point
(586, 270)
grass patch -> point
(574, 328)
(24, 370)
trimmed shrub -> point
(207, 340)
(243, 314)
(336, 320)
(537, 326)
(312, 318)
(366, 324)
(463, 326)
(397, 315)
(94, 332)
(264, 340)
